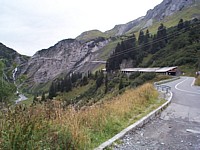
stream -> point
(21, 96)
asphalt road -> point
(177, 128)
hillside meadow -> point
(50, 125)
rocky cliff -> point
(64, 57)
(168, 8)
(158, 13)
(78, 54)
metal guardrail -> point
(165, 81)
(164, 88)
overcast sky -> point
(31, 25)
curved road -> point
(177, 128)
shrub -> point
(148, 76)
(134, 75)
(138, 81)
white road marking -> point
(193, 82)
(193, 131)
(176, 87)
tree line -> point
(146, 43)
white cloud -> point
(30, 25)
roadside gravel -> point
(162, 134)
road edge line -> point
(136, 125)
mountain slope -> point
(12, 59)
(175, 46)
(9, 59)
(11, 56)
(89, 35)
(64, 57)
(77, 54)
(163, 12)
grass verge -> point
(50, 126)
(197, 81)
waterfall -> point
(14, 78)
(21, 96)
(14, 75)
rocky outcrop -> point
(123, 28)
(64, 57)
(164, 9)
(168, 8)
(76, 54)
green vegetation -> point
(176, 46)
(48, 126)
(197, 81)
(89, 35)
(100, 67)
(108, 49)
(170, 21)
(7, 89)
(9, 56)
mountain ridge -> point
(75, 54)
(165, 9)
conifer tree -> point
(52, 91)
(62, 86)
(162, 36)
(180, 24)
(68, 84)
(106, 84)
(147, 34)
(85, 80)
(146, 45)
(43, 97)
(121, 84)
(99, 80)
(141, 37)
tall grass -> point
(197, 81)
(50, 126)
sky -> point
(31, 25)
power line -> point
(149, 43)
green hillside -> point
(183, 49)
(10, 56)
(175, 46)
(185, 14)
(9, 60)
(89, 35)
(7, 88)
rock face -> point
(63, 57)
(164, 9)
(168, 8)
(123, 28)
(76, 54)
